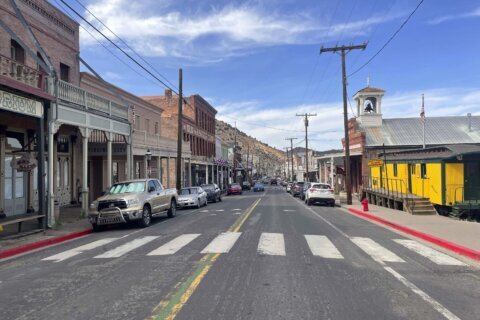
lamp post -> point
(148, 156)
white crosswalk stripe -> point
(75, 251)
(222, 243)
(429, 253)
(174, 245)
(127, 247)
(272, 244)
(321, 246)
(376, 251)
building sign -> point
(375, 163)
(24, 164)
(14, 103)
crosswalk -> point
(269, 244)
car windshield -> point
(127, 187)
(208, 187)
(258, 185)
(299, 183)
(235, 185)
(187, 191)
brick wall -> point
(57, 34)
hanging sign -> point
(24, 164)
(375, 163)
(14, 103)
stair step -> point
(424, 212)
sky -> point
(259, 63)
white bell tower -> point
(369, 106)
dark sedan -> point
(213, 192)
(234, 188)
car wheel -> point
(199, 203)
(173, 209)
(215, 199)
(146, 217)
(96, 227)
(220, 198)
(309, 202)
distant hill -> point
(226, 132)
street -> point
(254, 256)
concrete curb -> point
(464, 251)
(40, 244)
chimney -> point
(168, 94)
(469, 116)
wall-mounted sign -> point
(24, 164)
(14, 103)
(375, 163)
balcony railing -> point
(155, 141)
(90, 101)
(20, 72)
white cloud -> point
(214, 35)
(438, 20)
(326, 130)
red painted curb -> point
(464, 251)
(40, 244)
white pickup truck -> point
(133, 201)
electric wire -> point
(125, 43)
(389, 40)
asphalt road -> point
(255, 256)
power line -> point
(125, 43)
(118, 47)
(389, 40)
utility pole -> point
(288, 165)
(235, 155)
(291, 155)
(343, 51)
(180, 132)
(306, 115)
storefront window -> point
(8, 178)
(19, 190)
(62, 144)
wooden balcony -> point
(88, 101)
(21, 73)
(155, 141)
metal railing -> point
(90, 101)
(20, 72)
(155, 141)
(461, 191)
(392, 188)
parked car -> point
(246, 185)
(289, 187)
(273, 182)
(192, 197)
(258, 187)
(234, 188)
(214, 193)
(133, 201)
(303, 190)
(297, 186)
(320, 193)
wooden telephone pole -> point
(343, 51)
(180, 133)
(306, 115)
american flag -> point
(422, 111)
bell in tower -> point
(369, 106)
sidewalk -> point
(70, 223)
(446, 230)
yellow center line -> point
(169, 308)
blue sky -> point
(258, 61)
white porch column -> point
(325, 174)
(52, 129)
(2, 175)
(129, 158)
(190, 172)
(108, 136)
(206, 173)
(218, 176)
(168, 172)
(85, 204)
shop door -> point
(15, 199)
(62, 182)
(472, 181)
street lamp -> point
(148, 156)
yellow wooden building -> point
(445, 175)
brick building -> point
(198, 133)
